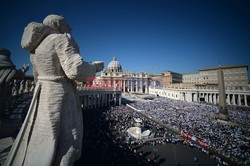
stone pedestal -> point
(223, 113)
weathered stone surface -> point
(223, 113)
(33, 34)
(8, 72)
(52, 133)
(5, 60)
(5, 143)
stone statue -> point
(27, 85)
(8, 72)
(52, 133)
(22, 87)
(14, 88)
(32, 87)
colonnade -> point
(241, 99)
(136, 85)
(93, 99)
(233, 97)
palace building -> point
(235, 77)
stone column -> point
(120, 99)
(105, 99)
(228, 98)
(194, 97)
(147, 86)
(210, 98)
(81, 101)
(87, 101)
(239, 99)
(124, 86)
(245, 99)
(84, 102)
(141, 85)
(206, 97)
(92, 101)
(133, 85)
(136, 86)
(114, 85)
(95, 101)
(98, 100)
(215, 100)
(234, 99)
(115, 95)
(188, 97)
(131, 89)
(129, 85)
(102, 100)
(108, 98)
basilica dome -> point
(114, 66)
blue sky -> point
(145, 35)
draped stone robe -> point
(54, 132)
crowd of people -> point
(105, 135)
(240, 115)
(199, 121)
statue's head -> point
(5, 60)
(58, 23)
(4, 52)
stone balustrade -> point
(89, 98)
(93, 99)
(18, 88)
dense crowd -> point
(239, 115)
(199, 121)
(106, 136)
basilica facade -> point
(114, 77)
